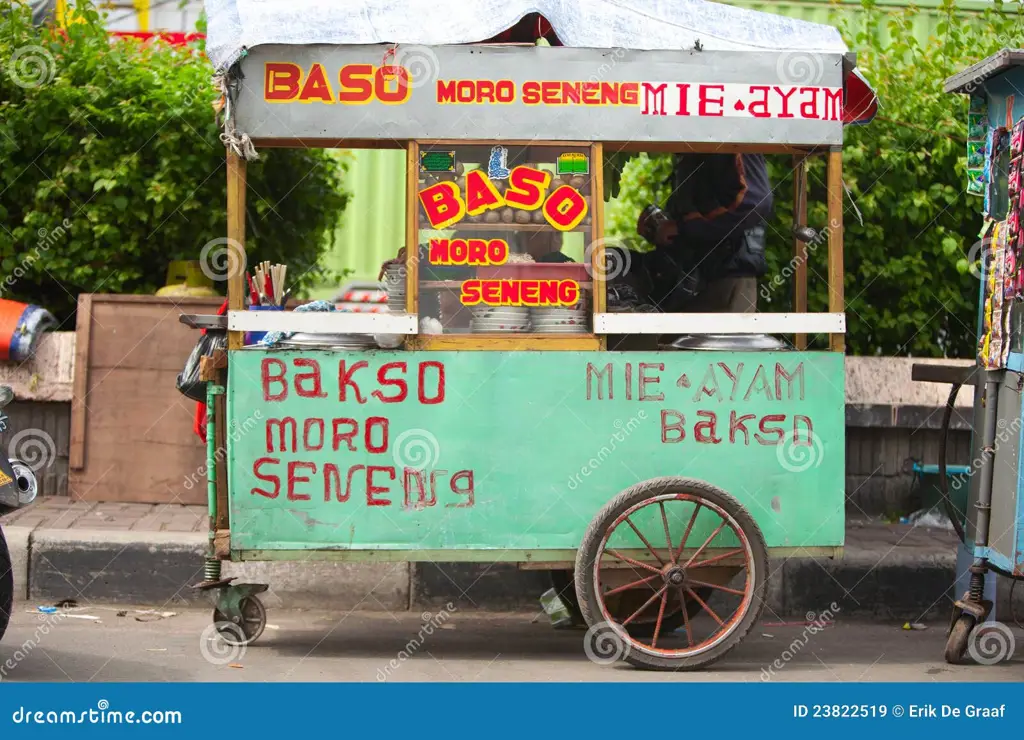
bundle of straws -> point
(267, 287)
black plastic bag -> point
(188, 381)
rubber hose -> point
(947, 417)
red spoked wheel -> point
(694, 551)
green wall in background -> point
(373, 227)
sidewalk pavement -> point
(147, 553)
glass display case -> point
(504, 235)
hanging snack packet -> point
(1016, 138)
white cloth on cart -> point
(236, 25)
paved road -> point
(318, 646)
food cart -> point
(992, 532)
(501, 428)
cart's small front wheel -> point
(956, 642)
(697, 553)
(248, 628)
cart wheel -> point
(564, 583)
(254, 621)
(956, 643)
(669, 511)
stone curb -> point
(157, 568)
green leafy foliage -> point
(908, 288)
(111, 166)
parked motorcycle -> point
(17, 489)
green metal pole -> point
(212, 569)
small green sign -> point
(437, 161)
(572, 163)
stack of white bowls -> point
(500, 319)
(394, 284)
(568, 320)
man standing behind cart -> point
(710, 245)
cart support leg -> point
(973, 602)
(976, 593)
(211, 568)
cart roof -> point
(235, 25)
(993, 66)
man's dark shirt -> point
(715, 199)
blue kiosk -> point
(992, 531)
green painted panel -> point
(538, 437)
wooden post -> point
(599, 289)
(80, 385)
(836, 300)
(412, 230)
(236, 242)
(799, 247)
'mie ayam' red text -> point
(691, 412)
(353, 458)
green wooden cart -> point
(657, 482)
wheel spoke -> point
(706, 543)
(715, 585)
(646, 604)
(706, 608)
(686, 534)
(634, 584)
(661, 614)
(686, 616)
(668, 537)
(716, 558)
(616, 554)
(644, 540)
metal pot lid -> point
(743, 342)
(327, 340)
